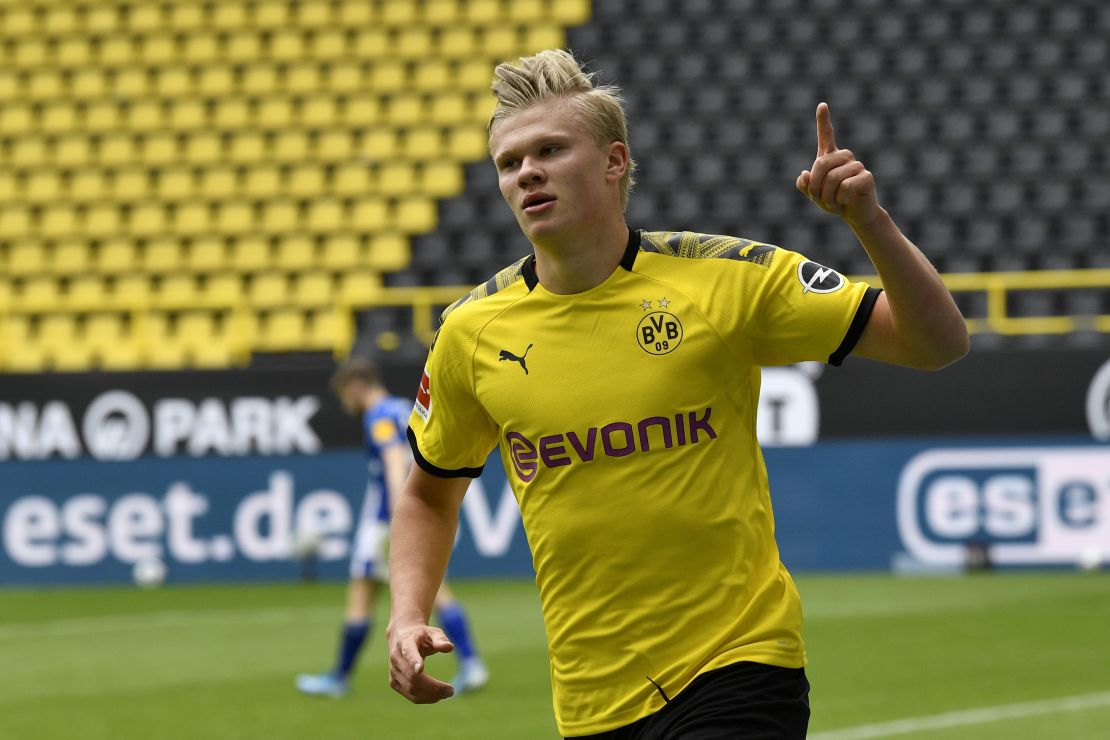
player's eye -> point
(549, 149)
(506, 164)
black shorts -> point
(743, 701)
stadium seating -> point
(187, 183)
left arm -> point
(396, 464)
(915, 322)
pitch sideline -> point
(982, 715)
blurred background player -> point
(384, 419)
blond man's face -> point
(552, 173)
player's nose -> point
(530, 171)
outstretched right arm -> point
(424, 522)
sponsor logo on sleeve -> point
(817, 278)
(423, 405)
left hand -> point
(837, 181)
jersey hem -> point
(615, 722)
(435, 470)
(855, 329)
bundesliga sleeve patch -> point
(424, 396)
(384, 431)
(817, 278)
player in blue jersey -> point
(384, 420)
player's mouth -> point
(535, 203)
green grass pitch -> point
(218, 661)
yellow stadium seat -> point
(290, 146)
(362, 110)
(328, 45)
(206, 254)
(318, 111)
(526, 11)
(203, 147)
(473, 74)
(130, 184)
(178, 291)
(71, 256)
(74, 150)
(352, 180)
(87, 184)
(425, 143)
(329, 329)
(88, 83)
(10, 188)
(279, 216)
(26, 258)
(20, 350)
(414, 42)
(103, 330)
(29, 153)
(144, 18)
(235, 217)
(215, 80)
(335, 145)
(570, 12)
(19, 21)
(399, 14)
(442, 179)
(355, 13)
(341, 252)
(407, 110)
(302, 78)
(415, 215)
(431, 75)
(192, 218)
(358, 288)
(102, 219)
(314, 13)
(295, 252)
(479, 109)
(118, 51)
(30, 52)
(449, 108)
(161, 348)
(9, 85)
(57, 330)
(218, 352)
(345, 77)
(247, 147)
(275, 113)
(158, 49)
(132, 290)
(187, 114)
(15, 221)
(43, 186)
(45, 85)
(148, 219)
(269, 289)
(40, 293)
(485, 12)
(263, 181)
(271, 14)
(467, 143)
(162, 254)
(16, 119)
(86, 293)
(443, 12)
(102, 116)
(160, 149)
(196, 327)
(117, 150)
(282, 330)
(459, 42)
(229, 16)
(144, 116)
(372, 43)
(69, 357)
(101, 19)
(250, 254)
(116, 256)
(30, 358)
(232, 113)
(325, 215)
(58, 219)
(368, 214)
(218, 182)
(306, 181)
(175, 183)
(500, 42)
(397, 178)
(174, 82)
(313, 289)
(288, 45)
(200, 47)
(260, 79)
(5, 295)
(542, 36)
(224, 289)
(58, 117)
(389, 252)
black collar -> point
(628, 259)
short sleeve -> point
(805, 311)
(450, 432)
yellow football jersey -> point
(625, 416)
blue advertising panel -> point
(839, 505)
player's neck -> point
(578, 262)
(374, 396)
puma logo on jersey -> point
(507, 355)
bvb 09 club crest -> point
(659, 332)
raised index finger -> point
(826, 144)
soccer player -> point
(618, 370)
(384, 418)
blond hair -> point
(555, 74)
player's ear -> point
(618, 161)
